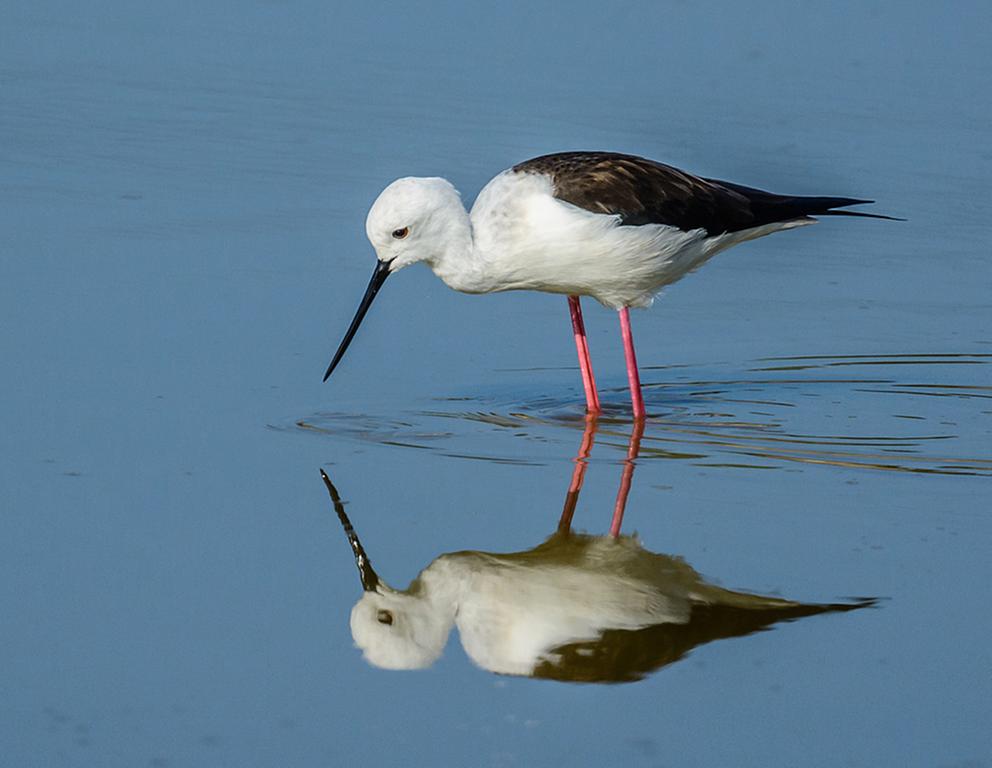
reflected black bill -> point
(370, 579)
(378, 278)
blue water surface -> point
(182, 195)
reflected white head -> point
(397, 630)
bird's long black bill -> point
(378, 278)
(370, 579)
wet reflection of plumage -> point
(576, 607)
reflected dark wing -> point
(642, 191)
(627, 655)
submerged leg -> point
(585, 364)
(636, 400)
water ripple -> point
(920, 413)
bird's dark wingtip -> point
(831, 204)
(859, 214)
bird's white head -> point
(415, 219)
(412, 220)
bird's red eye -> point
(399, 234)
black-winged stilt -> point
(614, 227)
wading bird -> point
(615, 227)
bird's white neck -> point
(456, 260)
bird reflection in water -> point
(577, 607)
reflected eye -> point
(384, 617)
(399, 234)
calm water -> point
(182, 198)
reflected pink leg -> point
(633, 377)
(578, 475)
(585, 364)
(633, 449)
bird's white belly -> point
(575, 252)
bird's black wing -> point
(642, 191)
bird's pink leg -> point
(578, 475)
(633, 449)
(582, 346)
(636, 400)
